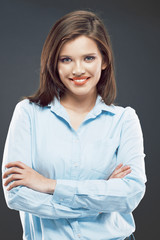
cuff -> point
(64, 192)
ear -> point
(104, 65)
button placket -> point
(76, 165)
(76, 155)
(76, 229)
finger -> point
(15, 184)
(125, 168)
(123, 174)
(122, 169)
(13, 177)
(119, 166)
(12, 171)
(16, 164)
(117, 169)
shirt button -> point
(79, 235)
(61, 199)
(76, 164)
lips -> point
(80, 80)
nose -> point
(78, 69)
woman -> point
(73, 161)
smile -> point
(80, 80)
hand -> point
(19, 174)
(120, 171)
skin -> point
(78, 58)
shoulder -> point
(24, 106)
(125, 113)
(27, 107)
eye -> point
(89, 58)
(65, 60)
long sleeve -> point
(121, 195)
(18, 147)
(81, 162)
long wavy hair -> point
(67, 28)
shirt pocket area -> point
(102, 157)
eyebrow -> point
(87, 54)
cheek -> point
(95, 69)
(60, 71)
(63, 71)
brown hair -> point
(69, 27)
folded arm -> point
(123, 194)
(17, 162)
(72, 198)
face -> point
(79, 66)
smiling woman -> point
(73, 162)
(80, 64)
(68, 28)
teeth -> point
(82, 80)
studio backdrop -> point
(134, 31)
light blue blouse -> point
(85, 205)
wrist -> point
(51, 186)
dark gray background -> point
(134, 29)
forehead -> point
(80, 45)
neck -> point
(79, 104)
